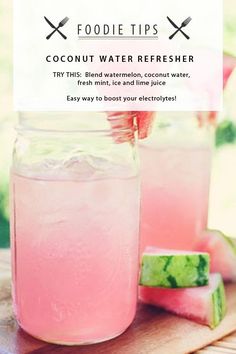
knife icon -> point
(56, 29)
(179, 29)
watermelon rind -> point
(205, 304)
(173, 270)
(222, 251)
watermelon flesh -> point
(143, 120)
(222, 251)
(229, 65)
(205, 305)
(174, 269)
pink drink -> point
(75, 255)
(175, 183)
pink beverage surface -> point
(174, 198)
(75, 257)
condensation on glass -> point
(175, 173)
(74, 226)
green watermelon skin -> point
(174, 269)
(205, 304)
(222, 251)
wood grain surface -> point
(153, 331)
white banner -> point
(160, 55)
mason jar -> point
(175, 173)
(74, 226)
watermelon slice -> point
(229, 65)
(142, 120)
(222, 251)
(174, 269)
(205, 304)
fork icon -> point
(179, 29)
(56, 29)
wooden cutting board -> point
(153, 331)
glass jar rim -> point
(105, 123)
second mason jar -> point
(74, 227)
(175, 171)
